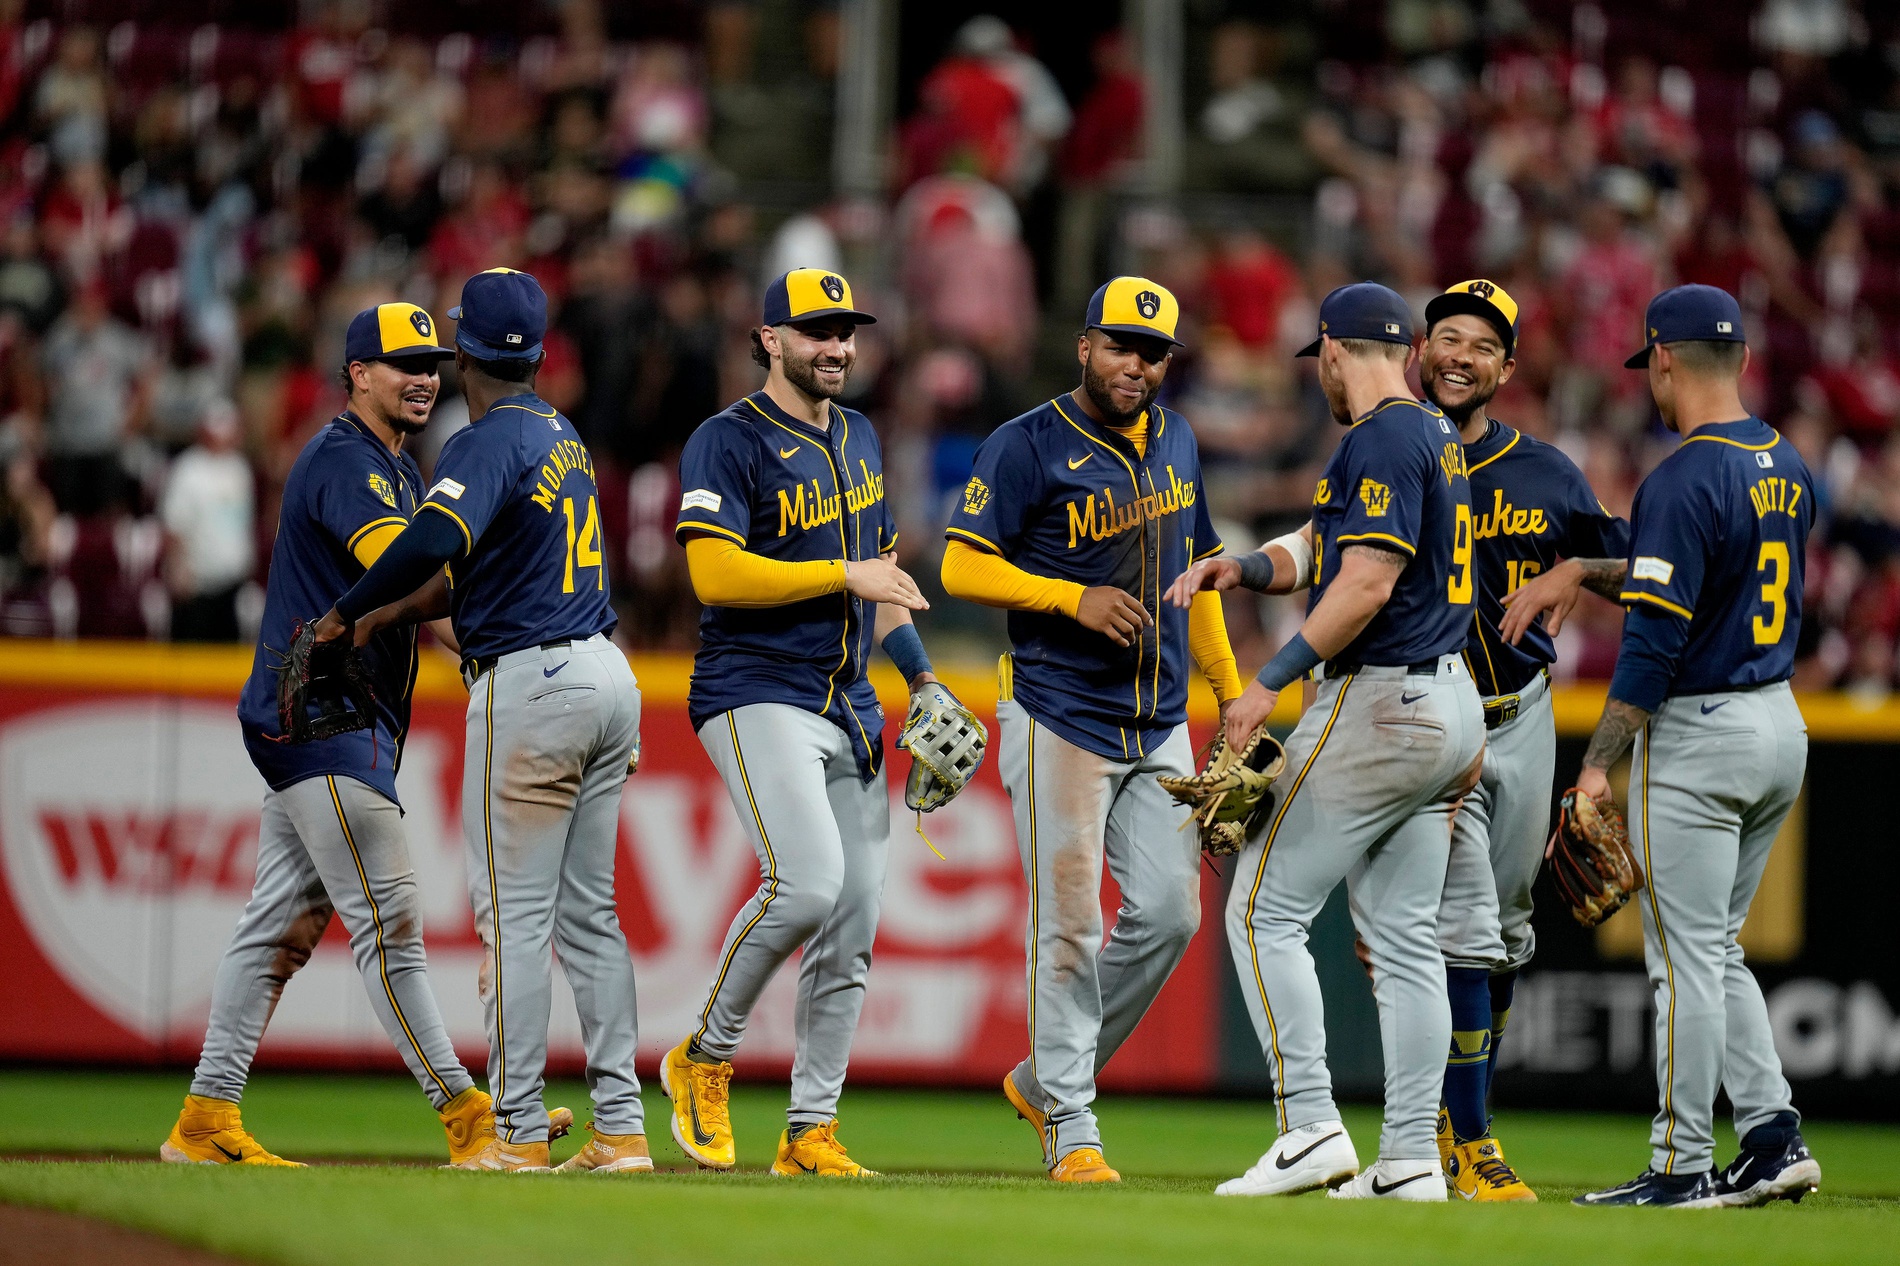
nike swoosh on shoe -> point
(1288, 1162)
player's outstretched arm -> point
(1364, 584)
(1282, 565)
(725, 575)
(426, 605)
(906, 649)
(418, 553)
(1554, 594)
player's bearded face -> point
(402, 393)
(1119, 378)
(817, 359)
(1463, 365)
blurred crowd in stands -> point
(190, 212)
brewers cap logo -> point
(382, 490)
(1148, 303)
(1377, 496)
(1483, 289)
(833, 288)
(420, 320)
(976, 495)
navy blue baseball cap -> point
(502, 316)
(1686, 314)
(1364, 309)
(811, 294)
(391, 331)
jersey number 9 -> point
(583, 545)
(1458, 585)
(1774, 592)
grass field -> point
(964, 1186)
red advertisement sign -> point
(128, 829)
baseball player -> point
(1713, 597)
(789, 543)
(1393, 742)
(1530, 507)
(553, 718)
(1075, 516)
(331, 835)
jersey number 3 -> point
(583, 545)
(1774, 592)
(1458, 584)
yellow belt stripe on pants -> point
(770, 885)
(1253, 952)
(376, 920)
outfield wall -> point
(128, 822)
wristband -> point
(906, 650)
(1256, 570)
(1296, 659)
(1300, 550)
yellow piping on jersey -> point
(388, 520)
(694, 525)
(983, 541)
(1470, 470)
(1376, 536)
(1723, 439)
(1396, 400)
(1664, 603)
(467, 537)
(373, 538)
(551, 413)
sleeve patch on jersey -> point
(448, 488)
(976, 495)
(1656, 569)
(380, 488)
(1377, 496)
(1765, 460)
(701, 499)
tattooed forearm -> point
(1615, 732)
(1603, 575)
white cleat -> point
(1303, 1159)
(1396, 1180)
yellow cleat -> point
(1037, 1118)
(469, 1121)
(1446, 1139)
(702, 1117)
(210, 1132)
(1084, 1164)
(1478, 1173)
(817, 1153)
(609, 1154)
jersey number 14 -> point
(583, 545)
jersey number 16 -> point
(583, 545)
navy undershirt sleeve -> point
(418, 552)
(1646, 665)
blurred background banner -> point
(195, 197)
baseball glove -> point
(1590, 859)
(328, 677)
(946, 742)
(1233, 789)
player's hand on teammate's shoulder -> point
(1218, 574)
(882, 580)
(1114, 613)
(1552, 594)
(1249, 712)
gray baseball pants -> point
(822, 835)
(1073, 810)
(1497, 842)
(325, 844)
(1711, 780)
(549, 733)
(1378, 766)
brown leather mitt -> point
(1232, 791)
(1590, 859)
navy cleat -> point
(1674, 1191)
(1774, 1164)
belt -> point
(472, 669)
(1340, 668)
(1502, 708)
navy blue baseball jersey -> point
(1060, 495)
(346, 498)
(1530, 507)
(1719, 537)
(520, 485)
(1397, 480)
(785, 490)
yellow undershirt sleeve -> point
(1207, 642)
(979, 576)
(373, 538)
(726, 576)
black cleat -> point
(1676, 1191)
(1774, 1164)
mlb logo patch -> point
(1765, 460)
(1725, 327)
(1391, 327)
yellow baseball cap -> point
(807, 294)
(1479, 298)
(1135, 305)
(391, 331)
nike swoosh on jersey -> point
(1710, 707)
(1288, 1162)
(1380, 1189)
(1077, 463)
(787, 452)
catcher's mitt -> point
(946, 742)
(1590, 859)
(1233, 789)
(328, 677)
